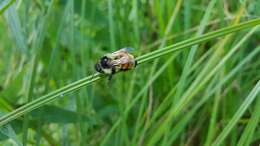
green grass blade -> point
(14, 24)
(5, 5)
(244, 106)
(193, 50)
(251, 126)
(111, 24)
(29, 95)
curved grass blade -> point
(196, 40)
(142, 59)
(48, 98)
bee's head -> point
(104, 62)
(98, 68)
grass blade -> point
(251, 126)
(5, 5)
(249, 99)
(196, 40)
(16, 28)
(142, 59)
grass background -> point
(207, 94)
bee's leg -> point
(112, 73)
(110, 77)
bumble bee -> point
(120, 60)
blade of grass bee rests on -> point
(112, 63)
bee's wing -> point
(122, 60)
(127, 49)
(121, 51)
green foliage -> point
(196, 82)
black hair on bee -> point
(104, 62)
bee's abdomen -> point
(126, 66)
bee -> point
(120, 60)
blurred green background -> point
(47, 44)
